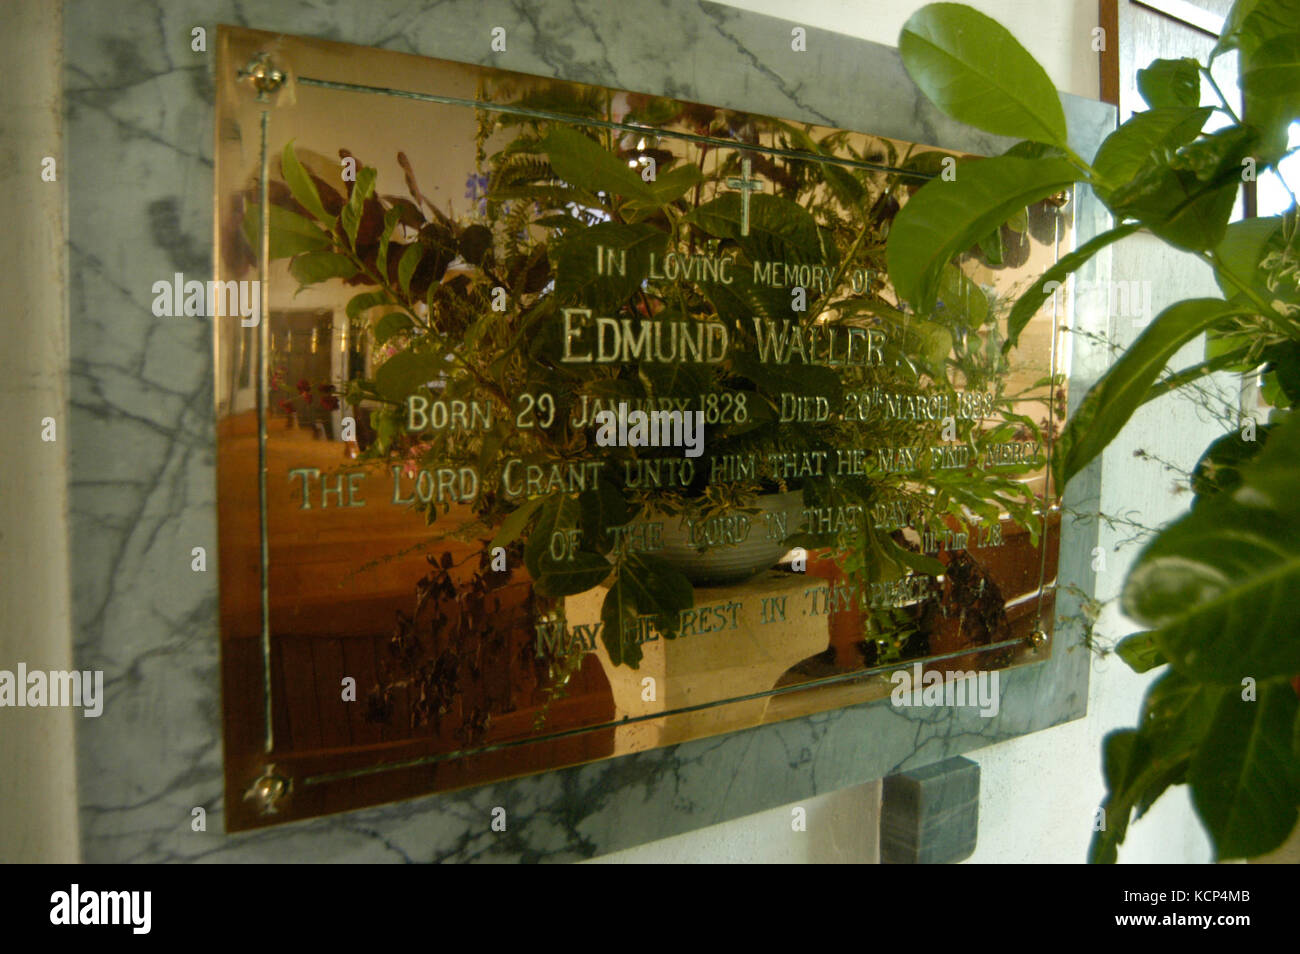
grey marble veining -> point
(142, 483)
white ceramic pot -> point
(733, 548)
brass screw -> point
(267, 791)
(1059, 200)
(266, 77)
(1036, 640)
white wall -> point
(1039, 792)
(37, 754)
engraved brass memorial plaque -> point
(567, 422)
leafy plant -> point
(471, 307)
(1213, 587)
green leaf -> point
(646, 586)
(974, 70)
(300, 184)
(362, 189)
(1243, 776)
(1235, 360)
(1217, 584)
(576, 277)
(1238, 255)
(1139, 764)
(515, 521)
(667, 188)
(1188, 200)
(947, 217)
(312, 267)
(615, 613)
(1028, 304)
(1140, 652)
(1219, 469)
(657, 589)
(1251, 23)
(290, 232)
(1147, 138)
(365, 301)
(576, 575)
(558, 514)
(1270, 83)
(779, 229)
(391, 218)
(407, 264)
(602, 507)
(1274, 70)
(1122, 750)
(393, 323)
(405, 372)
(962, 299)
(1171, 83)
(1112, 400)
(582, 162)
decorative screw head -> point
(1037, 639)
(267, 791)
(265, 76)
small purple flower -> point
(476, 190)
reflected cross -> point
(746, 185)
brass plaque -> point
(558, 422)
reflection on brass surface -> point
(590, 423)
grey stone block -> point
(931, 815)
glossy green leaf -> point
(1112, 400)
(962, 300)
(362, 189)
(1216, 586)
(584, 163)
(577, 278)
(1140, 652)
(779, 229)
(407, 264)
(291, 234)
(1140, 764)
(579, 573)
(1243, 777)
(1271, 89)
(312, 267)
(973, 69)
(667, 188)
(1238, 255)
(514, 522)
(1251, 23)
(1235, 360)
(405, 372)
(558, 515)
(394, 323)
(361, 303)
(300, 184)
(603, 507)
(1146, 139)
(391, 218)
(1023, 311)
(945, 218)
(617, 613)
(1170, 83)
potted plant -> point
(1213, 587)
